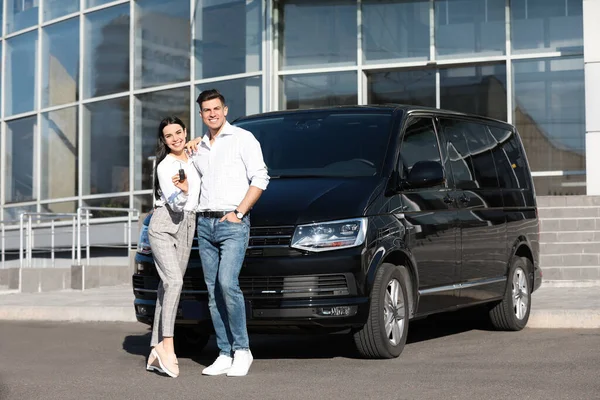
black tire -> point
(190, 341)
(512, 313)
(372, 340)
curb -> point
(538, 319)
(68, 314)
(564, 319)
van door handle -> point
(448, 199)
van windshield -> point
(323, 143)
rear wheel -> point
(384, 333)
(512, 313)
(190, 340)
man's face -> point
(213, 113)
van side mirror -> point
(425, 174)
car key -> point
(181, 175)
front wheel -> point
(512, 313)
(384, 334)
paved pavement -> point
(442, 360)
(554, 305)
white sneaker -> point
(221, 366)
(242, 360)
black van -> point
(376, 215)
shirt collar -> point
(227, 130)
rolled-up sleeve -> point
(256, 169)
(171, 193)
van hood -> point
(292, 201)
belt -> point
(212, 214)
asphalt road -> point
(443, 360)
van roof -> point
(374, 107)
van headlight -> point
(331, 235)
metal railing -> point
(131, 214)
(52, 217)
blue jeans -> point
(222, 247)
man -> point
(234, 176)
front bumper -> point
(322, 313)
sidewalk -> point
(553, 306)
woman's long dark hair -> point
(162, 149)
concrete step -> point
(570, 248)
(569, 212)
(569, 260)
(567, 201)
(569, 236)
(569, 224)
(575, 274)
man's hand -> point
(192, 145)
(231, 218)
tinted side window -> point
(510, 162)
(470, 149)
(418, 144)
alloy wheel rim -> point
(394, 312)
(520, 293)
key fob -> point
(181, 175)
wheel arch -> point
(410, 275)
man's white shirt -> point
(228, 168)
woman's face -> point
(174, 136)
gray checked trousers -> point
(170, 235)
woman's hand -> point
(183, 185)
(192, 145)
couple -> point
(219, 182)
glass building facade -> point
(84, 83)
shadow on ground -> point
(301, 346)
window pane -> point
(59, 154)
(12, 213)
(20, 162)
(288, 142)
(418, 144)
(549, 112)
(510, 162)
(21, 14)
(64, 207)
(480, 144)
(231, 48)
(458, 155)
(402, 87)
(478, 90)
(464, 28)
(395, 30)
(143, 204)
(560, 185)
(162, 42)
(151, 108)
(21, 71)
(106, 58)
(59, 8)
(112, 202)
(546, 25)
(243, 97)
(106, 146)
(318, 90)
(95, 3)
(314, 33)
(60, 58)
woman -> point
(171, 231)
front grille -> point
(270, 236)
(274, 238)
(256, 287)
